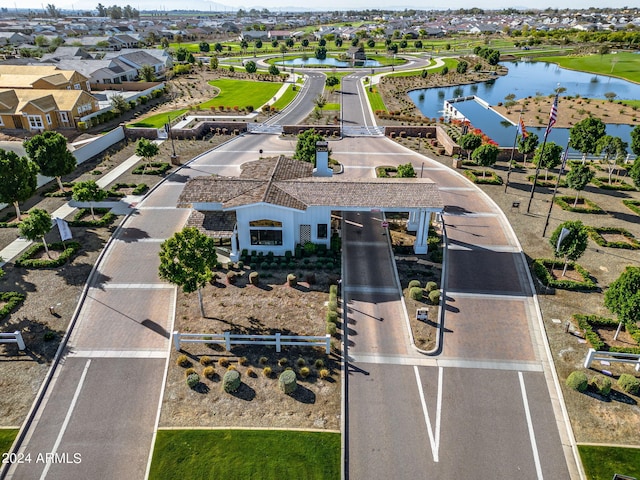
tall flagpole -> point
(515, 139)
(555, 189)
(552, 121)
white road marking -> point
(444, 362)
(67, 418)
(141, 286)
(119, 353)
(532, 435)
(434, 440)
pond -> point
(327, 62)
(525, 79)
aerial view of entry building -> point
(277, 203)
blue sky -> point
(276, 5)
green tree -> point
(469, 142)
(623, 296)
(187, 259)
(634, 172)
(213, 63)
(527, 145)
(306, 146)
(485, 155)
(406, 171)
(322, 42)
(18, 179)
(49, 151)
(321, 53)
(418, 44)
(204, 47)
(305, 42)
(258, 44)
(250, 66)
(273, 70)
(147, 73)
(614, 152)
(635, 140)
(585, 134)
(217, 47)
(88, 191)
(332, 81)
(147, 149)
(578, 177)
(549, 159)
(573, 244)
(462, 67)
(36, 226)
(289, 42)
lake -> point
(526, 79)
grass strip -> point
(602, 463)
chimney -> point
(322, 160)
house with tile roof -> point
(277, 203)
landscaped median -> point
(599, 461)
(242, 454)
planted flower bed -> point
(583, 206)
(489, 178)
(153, 168)
(603, 182)
(613, 237)
(83, 218)
(600, 331)
(550, 274)
(35, 257)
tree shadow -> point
(132, 234)
(303, 395)
(155, 327)
(201, 388)
(244, 392)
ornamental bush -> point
(267, 371)
(415, 293)
(323, 373)
(253, 278)
(431, 286)
(193, 380)
(415, 283)
(305, 372)
(231, 381)
(629, 383)
(287, 381)
(183, 361)
(601, 385)
(331, 328)
(189, 371)
(209, 372)
(577, 381)
(332, 316)
(434, 297)
(223, 362)
(206, 360)
(319, 363)
(332, 305)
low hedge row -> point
(13, 301)
(106, 219)
(587, 322)
(603, 182)
(476, 177)
(596, 235)
(540, 269)
(153, 168)
(68, 250)
(549, 182)
(566, 203)
(55, 192)
(138, 189)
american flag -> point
(553, 115)
(521, 130)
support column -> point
(235, 256)
(422, 233)
(412, 224)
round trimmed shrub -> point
(414, 284)
(431, 286)
(283, 361)
(231, 277)
(629, 383)
(415, 293)
(332, 316)
(332, 305)
(301, 362)
(209, 372)
(189, 371)
(253, 278)
(331, 328)
(333, 289)
(183, 361)
(267, 371)
(601, 385)
(577, 381)
(323, 373)
(193, 380)
(205, 360)
(292, 280)
(304, 372)
(287, 381)
(319, 363)
(434, 296)
(263, 360)
(243, 360)
(251, 372)
(223, 362)
(231, 381)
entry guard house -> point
(279, 202)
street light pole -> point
(173, 147)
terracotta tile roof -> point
(286, 182)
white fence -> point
(228, 339)
(596, 355)
(15, 337)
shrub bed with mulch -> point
(383, 172)
(154, 168)
(596, 234)
(603, 182)
(138, 189)
(583, 206)
(105, 218)
(476, 176)
(11, 301)
(55, 192)
(549, 181)
(68, 249)
(633, 205)
(542, 269)
(587, 322)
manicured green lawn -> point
(7, 436)
(241, 93)
(158, 120)
(287, 98)
(245, 455)
(622, 64)
(376, 100)
(601, 463)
